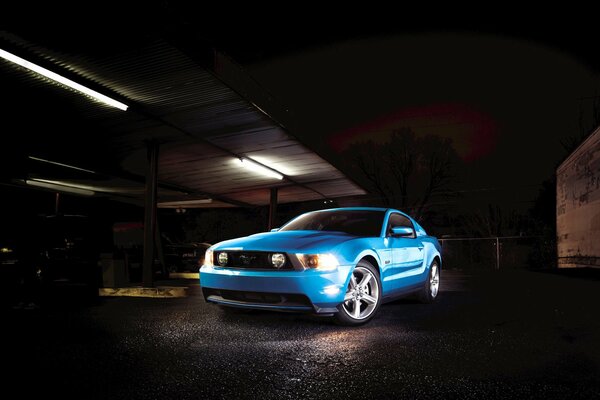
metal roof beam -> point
(233, 76)
(141, 110)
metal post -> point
(272, 209)
(497, 253)
(56, 203)
(159, 250)
(150, 214)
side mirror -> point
(402, 231)
(274, 229)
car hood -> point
(287, 241)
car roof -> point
(362, 209)
(355, 209)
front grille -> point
(277, 299)
(251, 260)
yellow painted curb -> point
(184, 275)
(156, 292)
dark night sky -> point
(505, 102)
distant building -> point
(578, 206)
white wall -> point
(578, 206)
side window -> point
(399, 220)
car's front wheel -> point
(363, 296)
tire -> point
(431, 287)
(364, 295)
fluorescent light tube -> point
(183, 203)
(95, 188)
(255, 167)
(60, 188)
(62, 80)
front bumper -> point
(324, 290)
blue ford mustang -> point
(344, 262)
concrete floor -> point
(512, 334)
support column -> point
(150, 214)
(497, 253)
(272, 209)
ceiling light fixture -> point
(62, 80)
(60, 188)
(183, 203)
(255, 167)
(95, 188)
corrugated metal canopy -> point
(200, 106)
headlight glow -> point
(331, 290)
(278, 260)
(208, 258)
(223, 258)
(323, 262)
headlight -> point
(278, 260)
(324, 262)
(223, 258)
(5, 250)
(208, 258)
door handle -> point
(420, 248)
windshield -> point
(353, 222)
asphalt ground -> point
(509, 334)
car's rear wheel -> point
(363, 296)
(431, 286)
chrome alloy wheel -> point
(434, 280)
(362, 294)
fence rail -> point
(492, 252)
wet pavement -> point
(513, 334)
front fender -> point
(367, 253)
(351, 252)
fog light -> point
(278, 260)
(223, 258)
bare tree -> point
(408, 171)
(400, 154)
(490, 221)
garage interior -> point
(190, 129)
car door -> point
(407, 255)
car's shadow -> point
(262, 317)
(404, 309)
